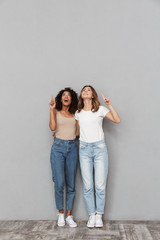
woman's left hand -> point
(54, 135)
(106, 100)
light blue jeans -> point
(94, 170)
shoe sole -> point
(90, 226)
(98, 226)
(60, 225)
(71, 225)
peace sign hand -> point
(52, 103)
(106, 100)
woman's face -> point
(66, 99)
(87, 93)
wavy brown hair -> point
(95, 101)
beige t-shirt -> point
(65, 127)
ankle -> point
(61, 211)
(68, 213)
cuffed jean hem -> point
(90, 214)
(59, 206)
(68, 209)
(100, 213)
(63, 209)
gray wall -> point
(47, 45)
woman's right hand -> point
(52, 104)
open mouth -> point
(66, 100)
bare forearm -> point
(52, 122)
(114, 114)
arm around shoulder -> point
(77, 128)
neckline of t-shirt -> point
(90, 110)
(87, 110)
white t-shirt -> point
(91, 124)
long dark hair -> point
(74, 100)
(95, 101)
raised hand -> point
(106, 100)
(52, 103)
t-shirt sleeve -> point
(104, 111)
(76, 115)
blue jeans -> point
(94, 170)
(64, 159)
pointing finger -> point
(103, 97)
(52, 98)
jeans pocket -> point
(57, 143)
(101, 145)
(81, 146)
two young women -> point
(93, 154)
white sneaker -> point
(61, 221)
(91, 221)
(70, 221)
(99, 222)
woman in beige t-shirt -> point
(64, 153)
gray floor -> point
(48, 230)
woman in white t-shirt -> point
(93, 152)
